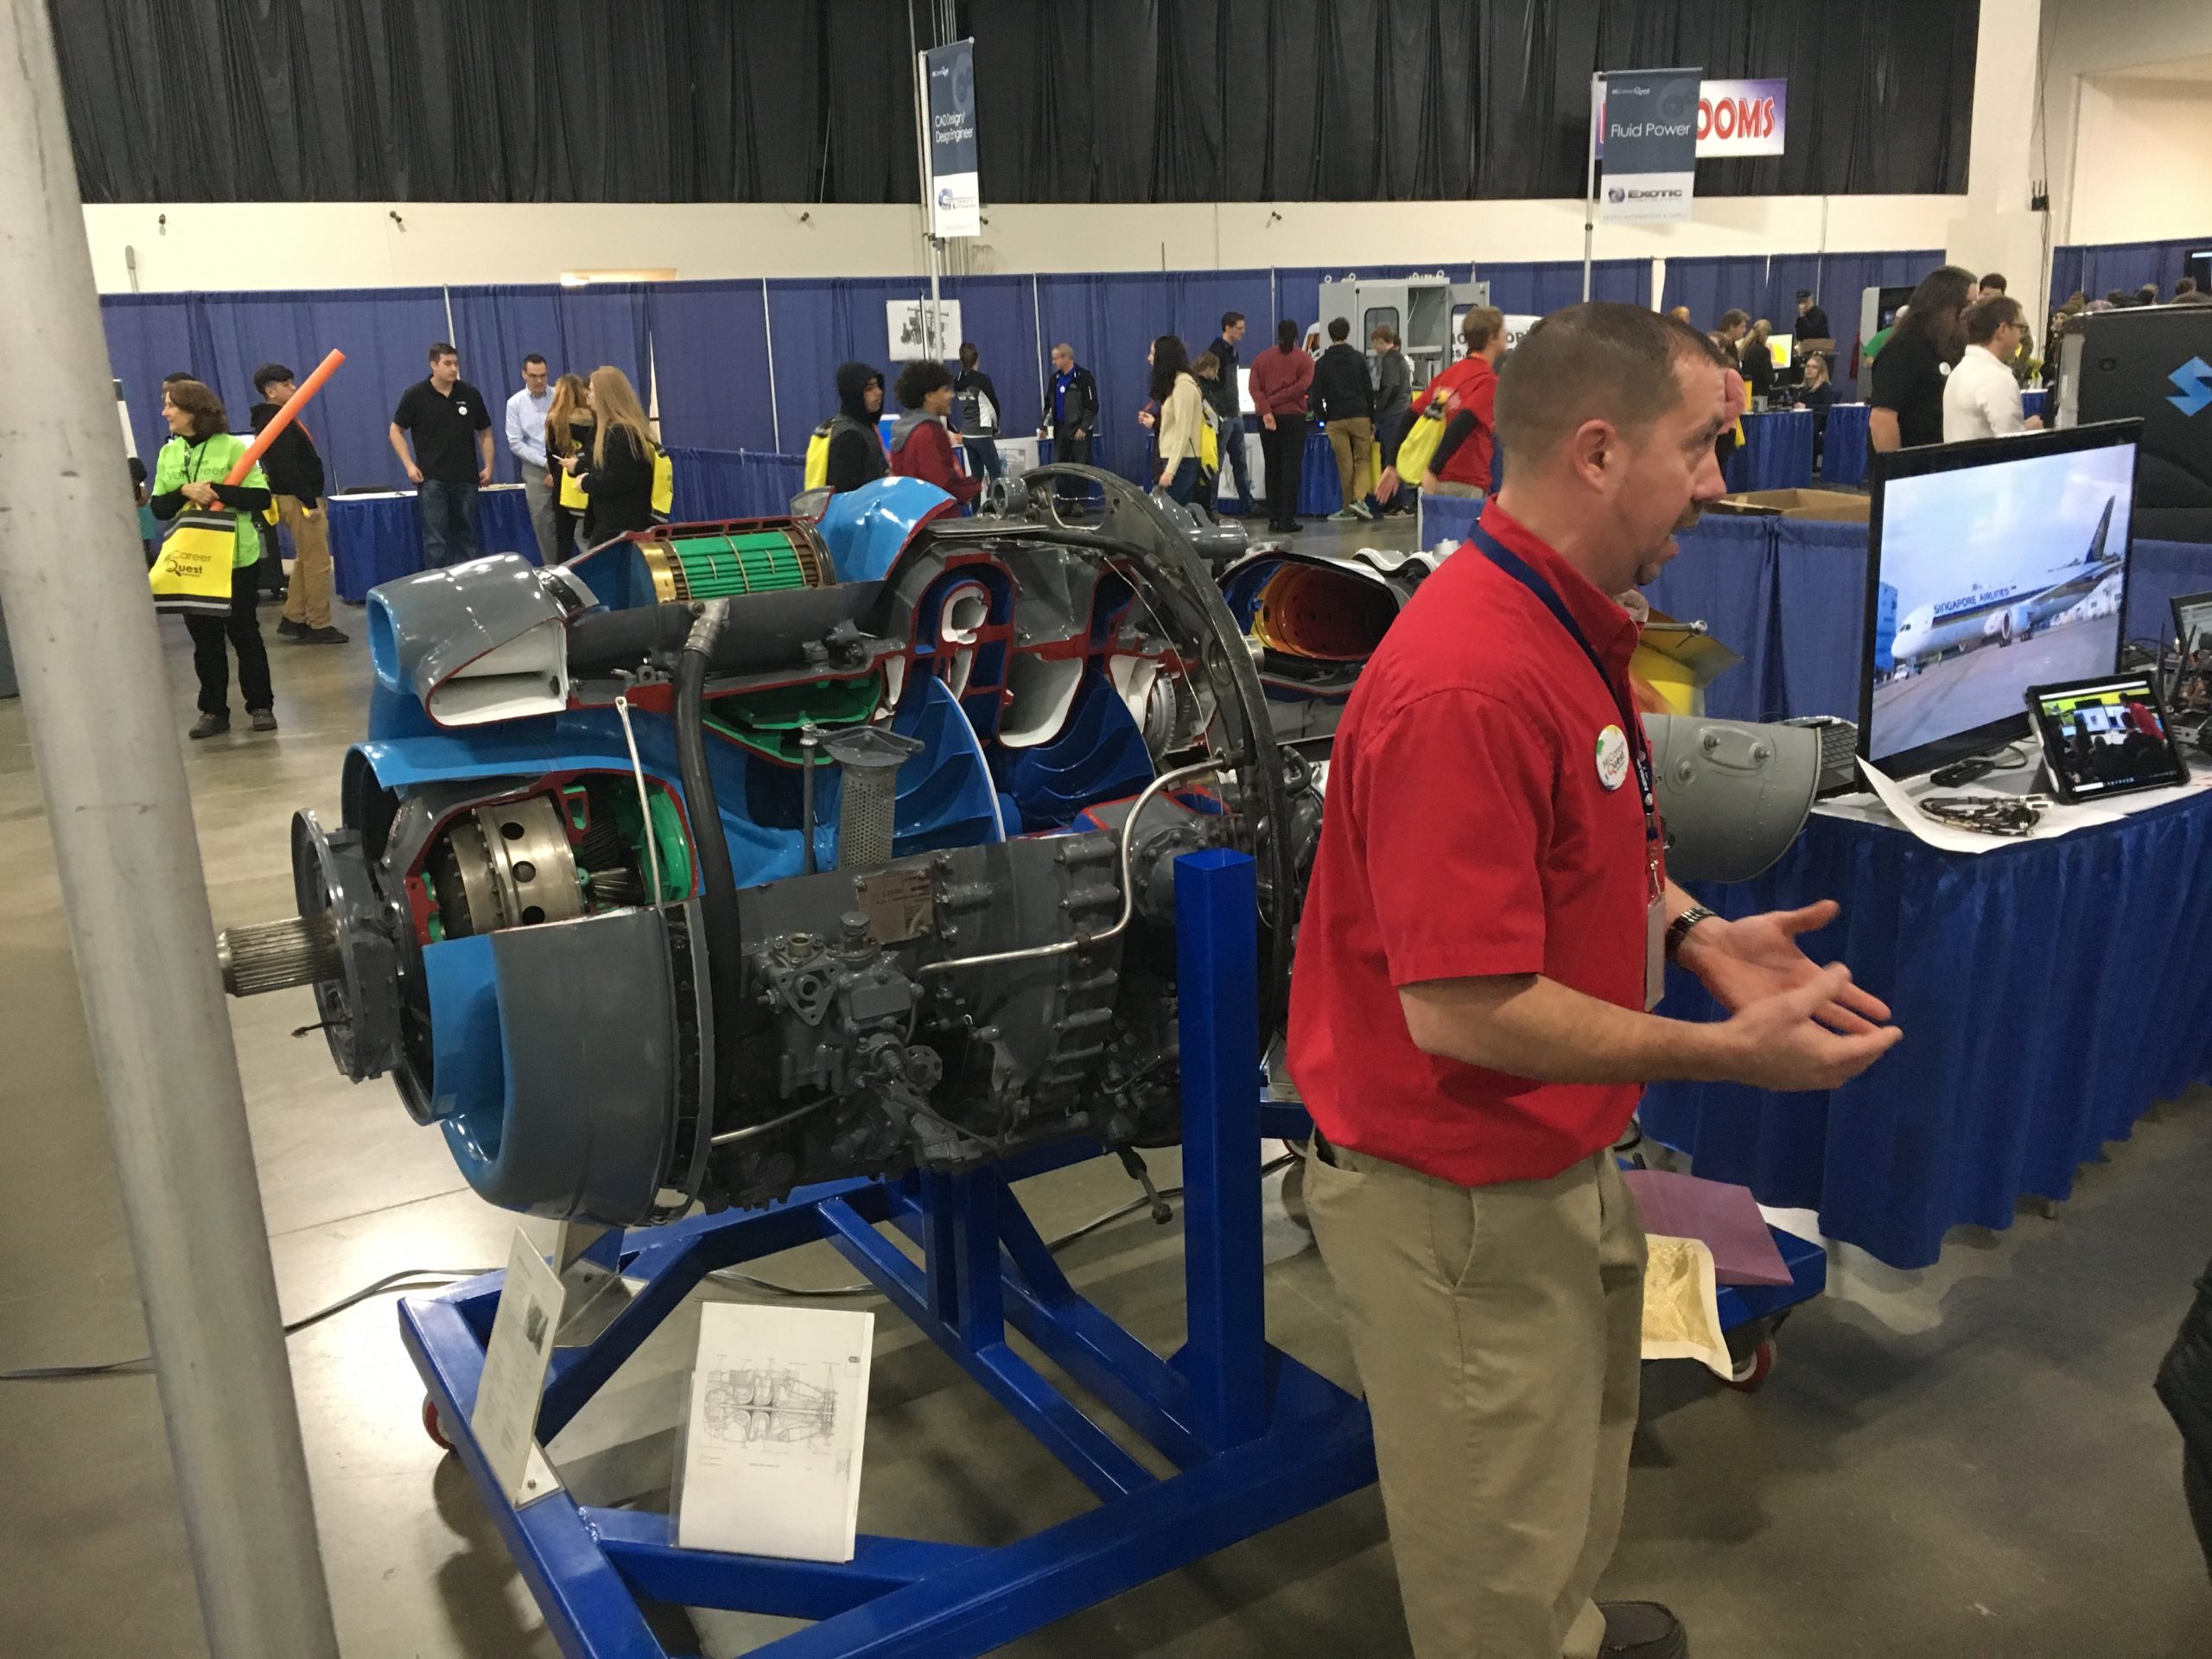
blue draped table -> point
(374, 538)
(2034, 401)
(2050, 994)
(1777, 453)
(1843, 446)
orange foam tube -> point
(284, 416)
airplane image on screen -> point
(1929, 633)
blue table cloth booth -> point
(2010, 1076)
(1843, 450)
(374, 538)
(2034, 401)
(1777, 453)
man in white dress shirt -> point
(1981, 399)
(526, 438)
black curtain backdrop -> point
(1078, 100)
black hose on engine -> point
(718, 881)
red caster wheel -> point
(1753, 1368)
(434, 1426)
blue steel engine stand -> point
(1255, 1438)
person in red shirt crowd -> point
(1469, 1025)
(1462, 463)
(921, 441)
(1280, 378)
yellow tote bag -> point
(664, 486)
(193, 575)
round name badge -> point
(1613, 757)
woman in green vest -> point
(189, 472)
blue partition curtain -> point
(708, 343)
(2095, 271)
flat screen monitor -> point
(1991, 566)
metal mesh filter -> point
(869, 759)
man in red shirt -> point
(1463, 461)
(1479, 949)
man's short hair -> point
(1339, 329)
(1065, 347)
(1986, 316)
(1734, 319)
(267, 374)
(1804, 293)
(1384, 332)
(1993, 283)
(180, 374)
(2185, 285)
(441, 348)
(1482, 324)
(2147, 294)
(918, 381)
(1599, 360)
(1230, 320)
(535, 356)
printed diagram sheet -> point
(771, 1463)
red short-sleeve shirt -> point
(1471, 831)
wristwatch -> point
(1679, 928)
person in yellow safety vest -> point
(188, 474)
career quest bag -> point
(663, 502)
(1421, 441)
(1208, 440)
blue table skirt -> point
(375, 538)
(1777, 453)
(1843, 446)
(2011, 1074)
(2034, 401)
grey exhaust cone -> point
(1732, 796)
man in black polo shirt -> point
(453, 455)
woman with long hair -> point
(1182, 416)
(1907, 407)
(615, 470)
(189, 472)
(567, 428)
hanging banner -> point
(1736, 118)
(1741, 118)
(1648, 132)
(956, 200)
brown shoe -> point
(264, 720)
(209, 726)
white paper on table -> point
(505, 1418)
(1682, 1304)
(2057, 818)
(772, 1457)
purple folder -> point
(1725, 1215)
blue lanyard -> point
(1632, 729)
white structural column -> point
(82, 627)
(1999, 230)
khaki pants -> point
(1354, 441)
(1498, 1334)
(308, 599)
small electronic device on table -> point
(2103, 737)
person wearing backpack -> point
(845, 451)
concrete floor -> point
(1964, 1463)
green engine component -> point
(724, 564)
(668, 837)
(768, 722)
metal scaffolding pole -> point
(85, 648)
